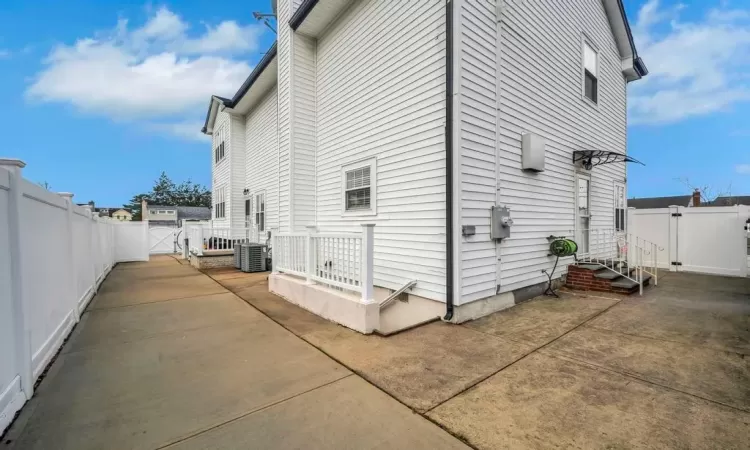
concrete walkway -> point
(167, 357)
(670, 369)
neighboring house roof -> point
(193, 212)
(160, 207)
(659, 202)
(730, 200)
(217, 101)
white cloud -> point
(742, 169)
(187, 130)
(695, 68)
(150, 72)
(4, 53)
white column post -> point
(310, 253)
(673, 247)
(22, 329)
(274, 254)
(366, 272)
(201, 240)
(73, 282)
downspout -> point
(449, 160)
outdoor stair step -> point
(625, 283)
(608, 274)
(589, 266)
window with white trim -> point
(359, 187)
(219, 151)
(590, 72)
(220, 203)
(260, 211)
(620, 207)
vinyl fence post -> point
(310, 253)
(72, 281)
(21, 327)
(366, 272)
(275, 258)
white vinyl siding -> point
(220, 173)
(284, 43)
(303, 132)
(235, 209)
(261, 148)
(381, 93)
(477, 142)
(540, 92)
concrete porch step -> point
(607, 274)
(628, 284)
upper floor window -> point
(590, 72)
(219, 151)
(359, 188)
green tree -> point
(166, 192)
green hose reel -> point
(562, 247)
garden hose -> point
(559, 248)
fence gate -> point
(162, 240)
(706, 239)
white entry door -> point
(161, 240)
(583, 212)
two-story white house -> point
(429, 119)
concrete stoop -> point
(594, 277)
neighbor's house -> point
(420, 118)
(121, 214)
(687, 200)
(175, 216)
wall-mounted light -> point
(246, 191)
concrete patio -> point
(666, 370)
(168, 357)
(165, 357)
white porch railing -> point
(340, 260)
(630, 256)
(202, 240)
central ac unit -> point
(254, 257)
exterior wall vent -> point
(532, 152)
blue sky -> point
(121, 89)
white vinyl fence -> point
(54, 257)
(705, 239)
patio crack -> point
(248, 413)
(484, 378)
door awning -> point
(592, 158)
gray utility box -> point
(253, 257)
(501, 222)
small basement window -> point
(359, 188)
(590, 72)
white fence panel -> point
(46, 271)
(131, 241)
(11, 395)
(712, 240)
(54, 257)
(706, 239)
(162, 240)
(653, 225)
